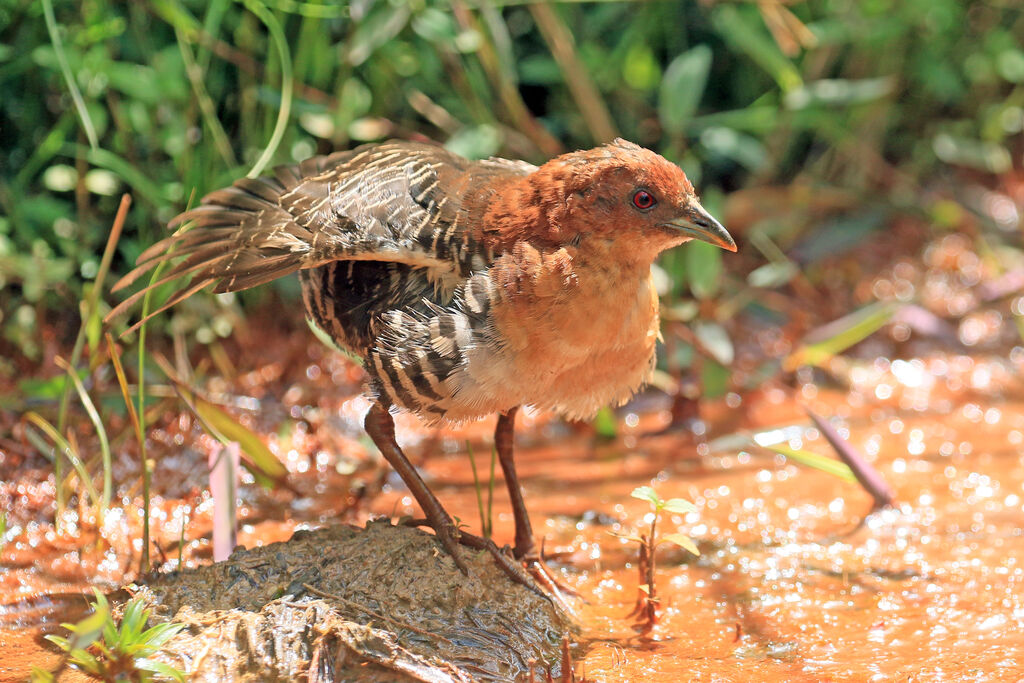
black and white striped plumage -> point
(374, 232)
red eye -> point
(643, 200)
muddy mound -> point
(382, 603)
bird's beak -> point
(698, 224)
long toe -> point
(504, 559)
(450, 538)
(538, 568)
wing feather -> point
(398, 202)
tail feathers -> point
(239, 237)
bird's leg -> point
(525, 551)
(381, 427)
(503, 442)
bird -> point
(468, 288)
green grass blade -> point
(101, 432)
(490, 493)
(287, 83)
(64, 447)
(476, 487)
(206, 105)
(840, 334)
(69, 78)
(818, 462)
(90, 311)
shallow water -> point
(795, 580)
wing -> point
(399, 202)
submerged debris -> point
(868, 476)
(382, 603)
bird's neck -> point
(528, 208)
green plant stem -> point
(650, 563)
(206, 106)
(76, 352)
(181, 539)
(69, 78)
(501, 72)
(133, 414)
(490, 493)
(144, 562)
(101, 432)
(476, 487)
(287, 83)
(62, 446)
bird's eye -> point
(643, 200)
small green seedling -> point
(645, 610)
(98, 646)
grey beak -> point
(699, 224)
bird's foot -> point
(538, 568)
(505, 561)
(451, 537)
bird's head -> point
(622, 194)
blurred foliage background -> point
(860, 108)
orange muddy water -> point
(793, 582)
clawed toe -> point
(542, 574)
(504, 559)
(451, 537)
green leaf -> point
(682, 88)
(714, 379)
(683, 541)
(678, 505)
(715, 341)
(476, 142)
(772, 275)
(64, 447)
(435, 26)
(983, 155)
(703, 268)
(86, 660)
(739, 147)
(263, 461)
(605, 423)
(640, 69)
(840, 334)
(648, 494)
(382, 23)
(45, 389)
(41, 676)
(132, 622)
(60, 642)
(160, 668)
(744, 31)
(101, 433)
(839, 92)
(816, 461)
(158, 635)
(839, 235)
(628, 537)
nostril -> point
(701, 222)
